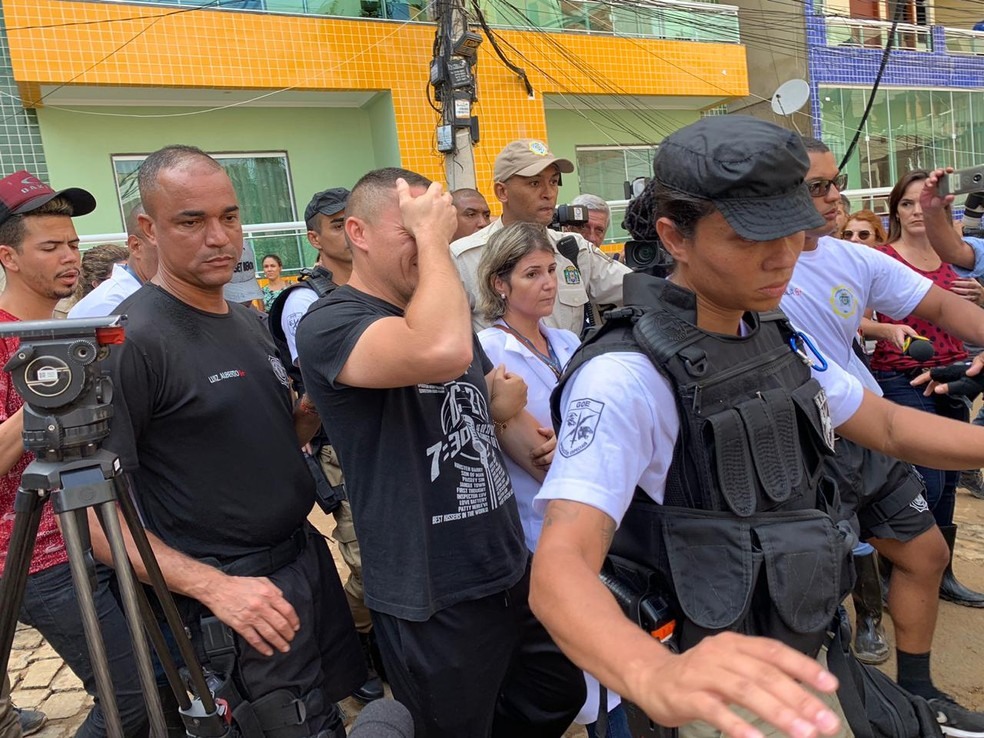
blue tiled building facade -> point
(928, 112)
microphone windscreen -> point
(920, 350)
(383, 719)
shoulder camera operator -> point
(39, 251)
(599, 216)
(527, 176)
(696, 373)
(203, 425)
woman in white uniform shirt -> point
(517, 278)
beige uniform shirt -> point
(596, 278)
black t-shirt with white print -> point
(431, 499)
(203, 422)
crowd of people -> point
(507, 420)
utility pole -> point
(452, 74)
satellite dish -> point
(790, 97)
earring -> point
(502, 295)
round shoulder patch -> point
(278, 370)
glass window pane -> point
(963, 126)
(911, 113)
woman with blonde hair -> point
(517, 282)
(864, 227)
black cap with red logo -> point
(22, 192)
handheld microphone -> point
(383, 719)
(919, 349)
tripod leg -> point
(128, 587)
(28, 507)
(156, 578)
(160, 646)
(97, 649)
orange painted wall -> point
(57, 42)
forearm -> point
(962, 318)
(306, 420)
(588, 625)
(946, 242)
(518, 439)
(916, 436)
(11, 441)
(182, 574)
(875, 331)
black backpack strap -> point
(321, 281)
(851, 701)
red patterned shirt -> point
(948, 348)
(49, 548)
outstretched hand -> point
(761, 675)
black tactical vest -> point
(743, 539)
(321, 281)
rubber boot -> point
(950, 589)
(373, 687)
(869, 639)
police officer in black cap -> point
(696, 424)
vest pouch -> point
(803, 554)
(724, 433)
(770, 422)
(713, 569)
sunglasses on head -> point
(863, 235)
(820, 187)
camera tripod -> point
(66, 415)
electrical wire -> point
(899, 7)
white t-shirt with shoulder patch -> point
(835, 283)
(620, 425)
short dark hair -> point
(815, 145)
(369, 192)
(12, 230)
(131, 222)
(164, 159)
(275, 257)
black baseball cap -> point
(750, 169)
(22, 192)
(327, 202)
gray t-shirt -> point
(432, 503)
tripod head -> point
(67, 399)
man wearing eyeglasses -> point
(833, 284)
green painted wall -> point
(568, 129)
(382, 122)
(326, 147)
